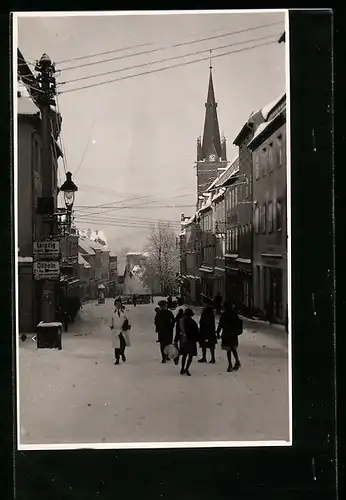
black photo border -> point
(307, 470)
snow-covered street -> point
(78, 395)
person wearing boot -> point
(208, 338)
(188, 338)
(231, 326)
(178, 317)
(164, 322)
(119, 323)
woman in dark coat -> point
(178, 317)
(164, 322)
(207, 331)
(187, 339)
(156, 311)
(231, 327)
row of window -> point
(237, 236)
(270, 156)
(207, 222)
(236, 194)
(268, 217)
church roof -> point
(211, 142)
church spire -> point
(211, 135)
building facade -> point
(270, 214)
(30, 175)
(238, 196)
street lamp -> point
(69, 188)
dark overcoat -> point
(164, 323)
(188, 336)
(207, 328)
(230, 325)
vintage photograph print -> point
(152, 216)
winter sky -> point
(137, 136)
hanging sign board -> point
(46, 269)
(50, 249)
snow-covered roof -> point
(83, 262)
(25, 104)
(218, 194)
(97, 246)
(226, 174)
(134, 253)
(261, 128)
(84, 244)
(92, 234)
(270, 106)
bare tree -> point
(162, 263)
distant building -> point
(270, 212)
(211, 150)
(133, 276)
(84, 273)
(113, 274)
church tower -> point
(211, 150)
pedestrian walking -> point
(218, 303)
(231, 326)
(120, 326)
(178, 317)
(207, 332)
(164, 322)
(134, 300)
(156, 311)
(186, 338)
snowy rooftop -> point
(270, 106)
(134, 253)
(92, 234)
(83, 262)
(25, 104)
(84, 244)
(261, 128)
(97, 246)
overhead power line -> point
(103, 53)
(86, 148)
(107, 205)
(122, 224)
(141, 206)
(127, 77)
(166, 59)
(176, 45)
(129, 219)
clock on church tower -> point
(212, 157)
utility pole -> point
(48, 331)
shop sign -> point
(50, 249)
(48, 269)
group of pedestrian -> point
(188, 334)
